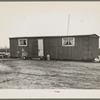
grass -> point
(30, 74)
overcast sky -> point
(47, 18)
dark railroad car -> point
(74, 47)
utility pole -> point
(68, 24)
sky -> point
(19, 19)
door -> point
(40, 47)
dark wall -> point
(13, 47)
(94, 46)
(86, 48)
(15, 50)
(31, 48)
(53, 46)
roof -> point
(56, 36)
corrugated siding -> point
(13, 47)
(32, 48)
(53, 46)
(90, 48)
(85, 48)
(95, 47)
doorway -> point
(40, 48)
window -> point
(22, 42)
(70, 41)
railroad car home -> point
(76, 47)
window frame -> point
(73, 44)
(20, 44)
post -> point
(68, 24)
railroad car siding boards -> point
(13, 47)
(15, 50)
(53, 46)
(90, 47)
(86, 47)
(32, 48)
(94, 46)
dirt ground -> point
(31, 74)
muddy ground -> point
(31, 74)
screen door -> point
(40, 47)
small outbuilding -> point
(73, 47)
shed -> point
(73, 47)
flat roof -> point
(54, 36)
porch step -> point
(36, 58)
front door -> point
(40, 48)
